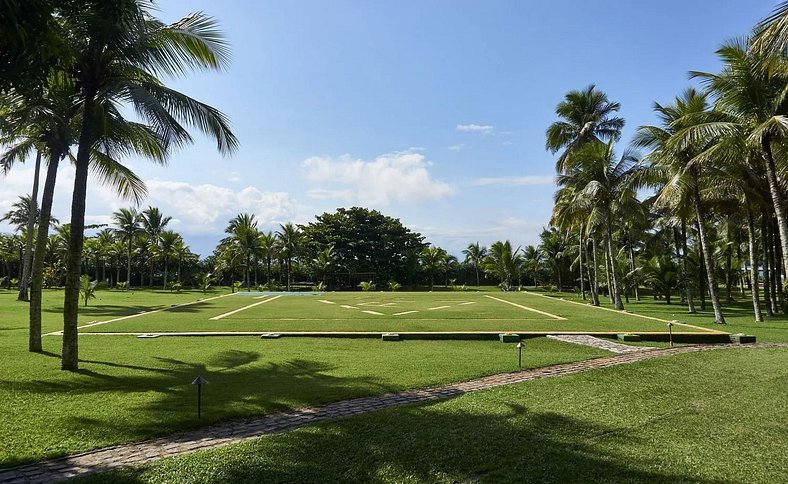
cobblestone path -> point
(603, 344)
(220, 435)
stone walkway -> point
(220, 435)
(603, 344)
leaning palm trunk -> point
(31, 225)
(37, 269)
(753, 266)
(773, 274)
(632, 269)
(766, 278)
(591, 285)
(777, 199)
(710, 277)
(613, 273)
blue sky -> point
(433, 112)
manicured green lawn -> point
(738, 314)
(379, 311)
(714, 417)
(130, 389)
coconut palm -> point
(268, 251)
(167, 250)
(677, 170)
(291, 243)
(474, 255)
(128, 224)
(119, 49)
(503, 263)
(751, 92)
(432, 259)
(153, 223)
(585, 115)
(244, 236)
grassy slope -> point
(130, 389)
(723, 420)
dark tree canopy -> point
(365, 240)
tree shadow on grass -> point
(113, 402)
(426, 443)
(119, 310)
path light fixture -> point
(520, 355)
(670, 332)
(199, 381)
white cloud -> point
(195, 208)
(392, 177)
(234, 177)
(512, 181)
(458, 147)
(476, 128)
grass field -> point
(382, 312)
(130, 389)
(722, 421)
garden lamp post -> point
(520, 355)
(670, 332)
(199, 381)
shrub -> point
(394, 286)
(367, 286)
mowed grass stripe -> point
(559, 318)
(216, 318)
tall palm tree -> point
(474, 255)
(119, 49)
(268, 250)
(153, 223)
(167, 249)
(291, 241)
(432, 259)
(128, 227)
(751, 90)
(676, 169)
(585, 115)
(244, 236)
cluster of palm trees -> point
(715, 169)
(247, 249)
(110, 55)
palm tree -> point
(268, 250)
(503, 263)
(128, 223)
(751, 91)
(153, 223)
(244, 236)
(474, 255)
(119, 48)
(432, 259)
(586, 115)
(532, 260)
(167, 249)
(677, 170)
(290, 244)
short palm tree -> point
(128, 226)
(432, 259)
(291, 242)
(503, 263)
(474, 255)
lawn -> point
(723, 420)
(130, 389)
(379, 312)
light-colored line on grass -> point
(373, 312)
(216, 318)
(262, 297)
(141, 313)
(325, 302)
(348, 307)
(404, 312)
(467, 302)
(438, 307)
(627, 313)
(527, 308)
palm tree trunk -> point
(777, 198)
(596, 271)
(607, 270)
(766, 286)
(715, 301)
(164, 285)
(476, 266)
(632, 269)
(580, 256)
(614, 274)
(679, 257)
(775, 269)
(591, 285)
(685, 252)
(753, 264)
(31, 226)
(778, 264)
(128, 266)
(37, 269)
